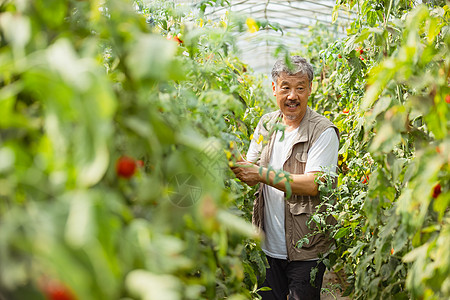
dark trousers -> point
(292, 278)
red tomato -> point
(174, 38)
(125, 167)
(365, 179)
(340, 56)
(346, 111)
(437, 190)
(54, 290)
(177, 39)
(447, 99)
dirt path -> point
(332, 285)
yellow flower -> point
(228, 153)
(252, 25)
(260, 139)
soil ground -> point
(333, 286)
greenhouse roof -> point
(293, 18)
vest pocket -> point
(299, 163)
(300, 205)
(299, 208)
(301, 230)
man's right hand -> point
(247, 172)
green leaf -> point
(53, 12)
(363, 35)
(335, 13)
(301, 242)
(151, 57)
(356, 250)
(400, 240)
(288, 189)
(17, 31)
(80, 224)
(371, 18)
(147, 285)
(341, 232)
(236, 224)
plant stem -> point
(388, 13)
(359, 18)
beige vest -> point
(298, 208)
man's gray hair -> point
(299, 65)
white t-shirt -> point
(322, 156)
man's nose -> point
(292, 94)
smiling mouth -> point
(292, 105)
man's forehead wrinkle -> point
(299, 81)
(296, 75)
(299, 76)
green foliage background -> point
(386, 86)
(85, 82)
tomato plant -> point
(82, 84)
(391, 226)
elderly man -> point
(309, 145)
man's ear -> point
(274, 88)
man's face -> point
(292, 93)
